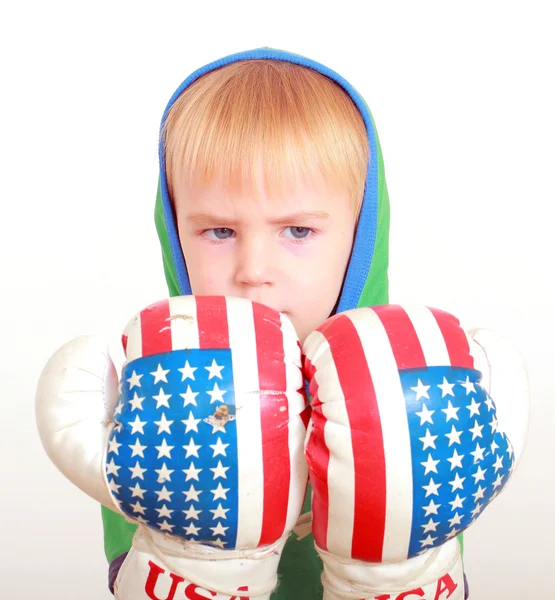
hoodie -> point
(365, 284)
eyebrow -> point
(202, 218)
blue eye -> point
(299, 233)
(219, 233)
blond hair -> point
(292, 117)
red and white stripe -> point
(270, 431)
(359, 446)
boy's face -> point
(289, 253)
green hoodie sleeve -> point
(118, 534)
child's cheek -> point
(208, 266)
(207, 283)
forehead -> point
(257, 196)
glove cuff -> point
(424, 575)
(156, 561)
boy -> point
(272, 188)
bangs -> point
(293, 120)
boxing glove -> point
(416, 427)
(201, 445)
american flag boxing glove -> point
(201, 445)
(405, 448)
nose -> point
(253, 262)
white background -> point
(463, 101)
